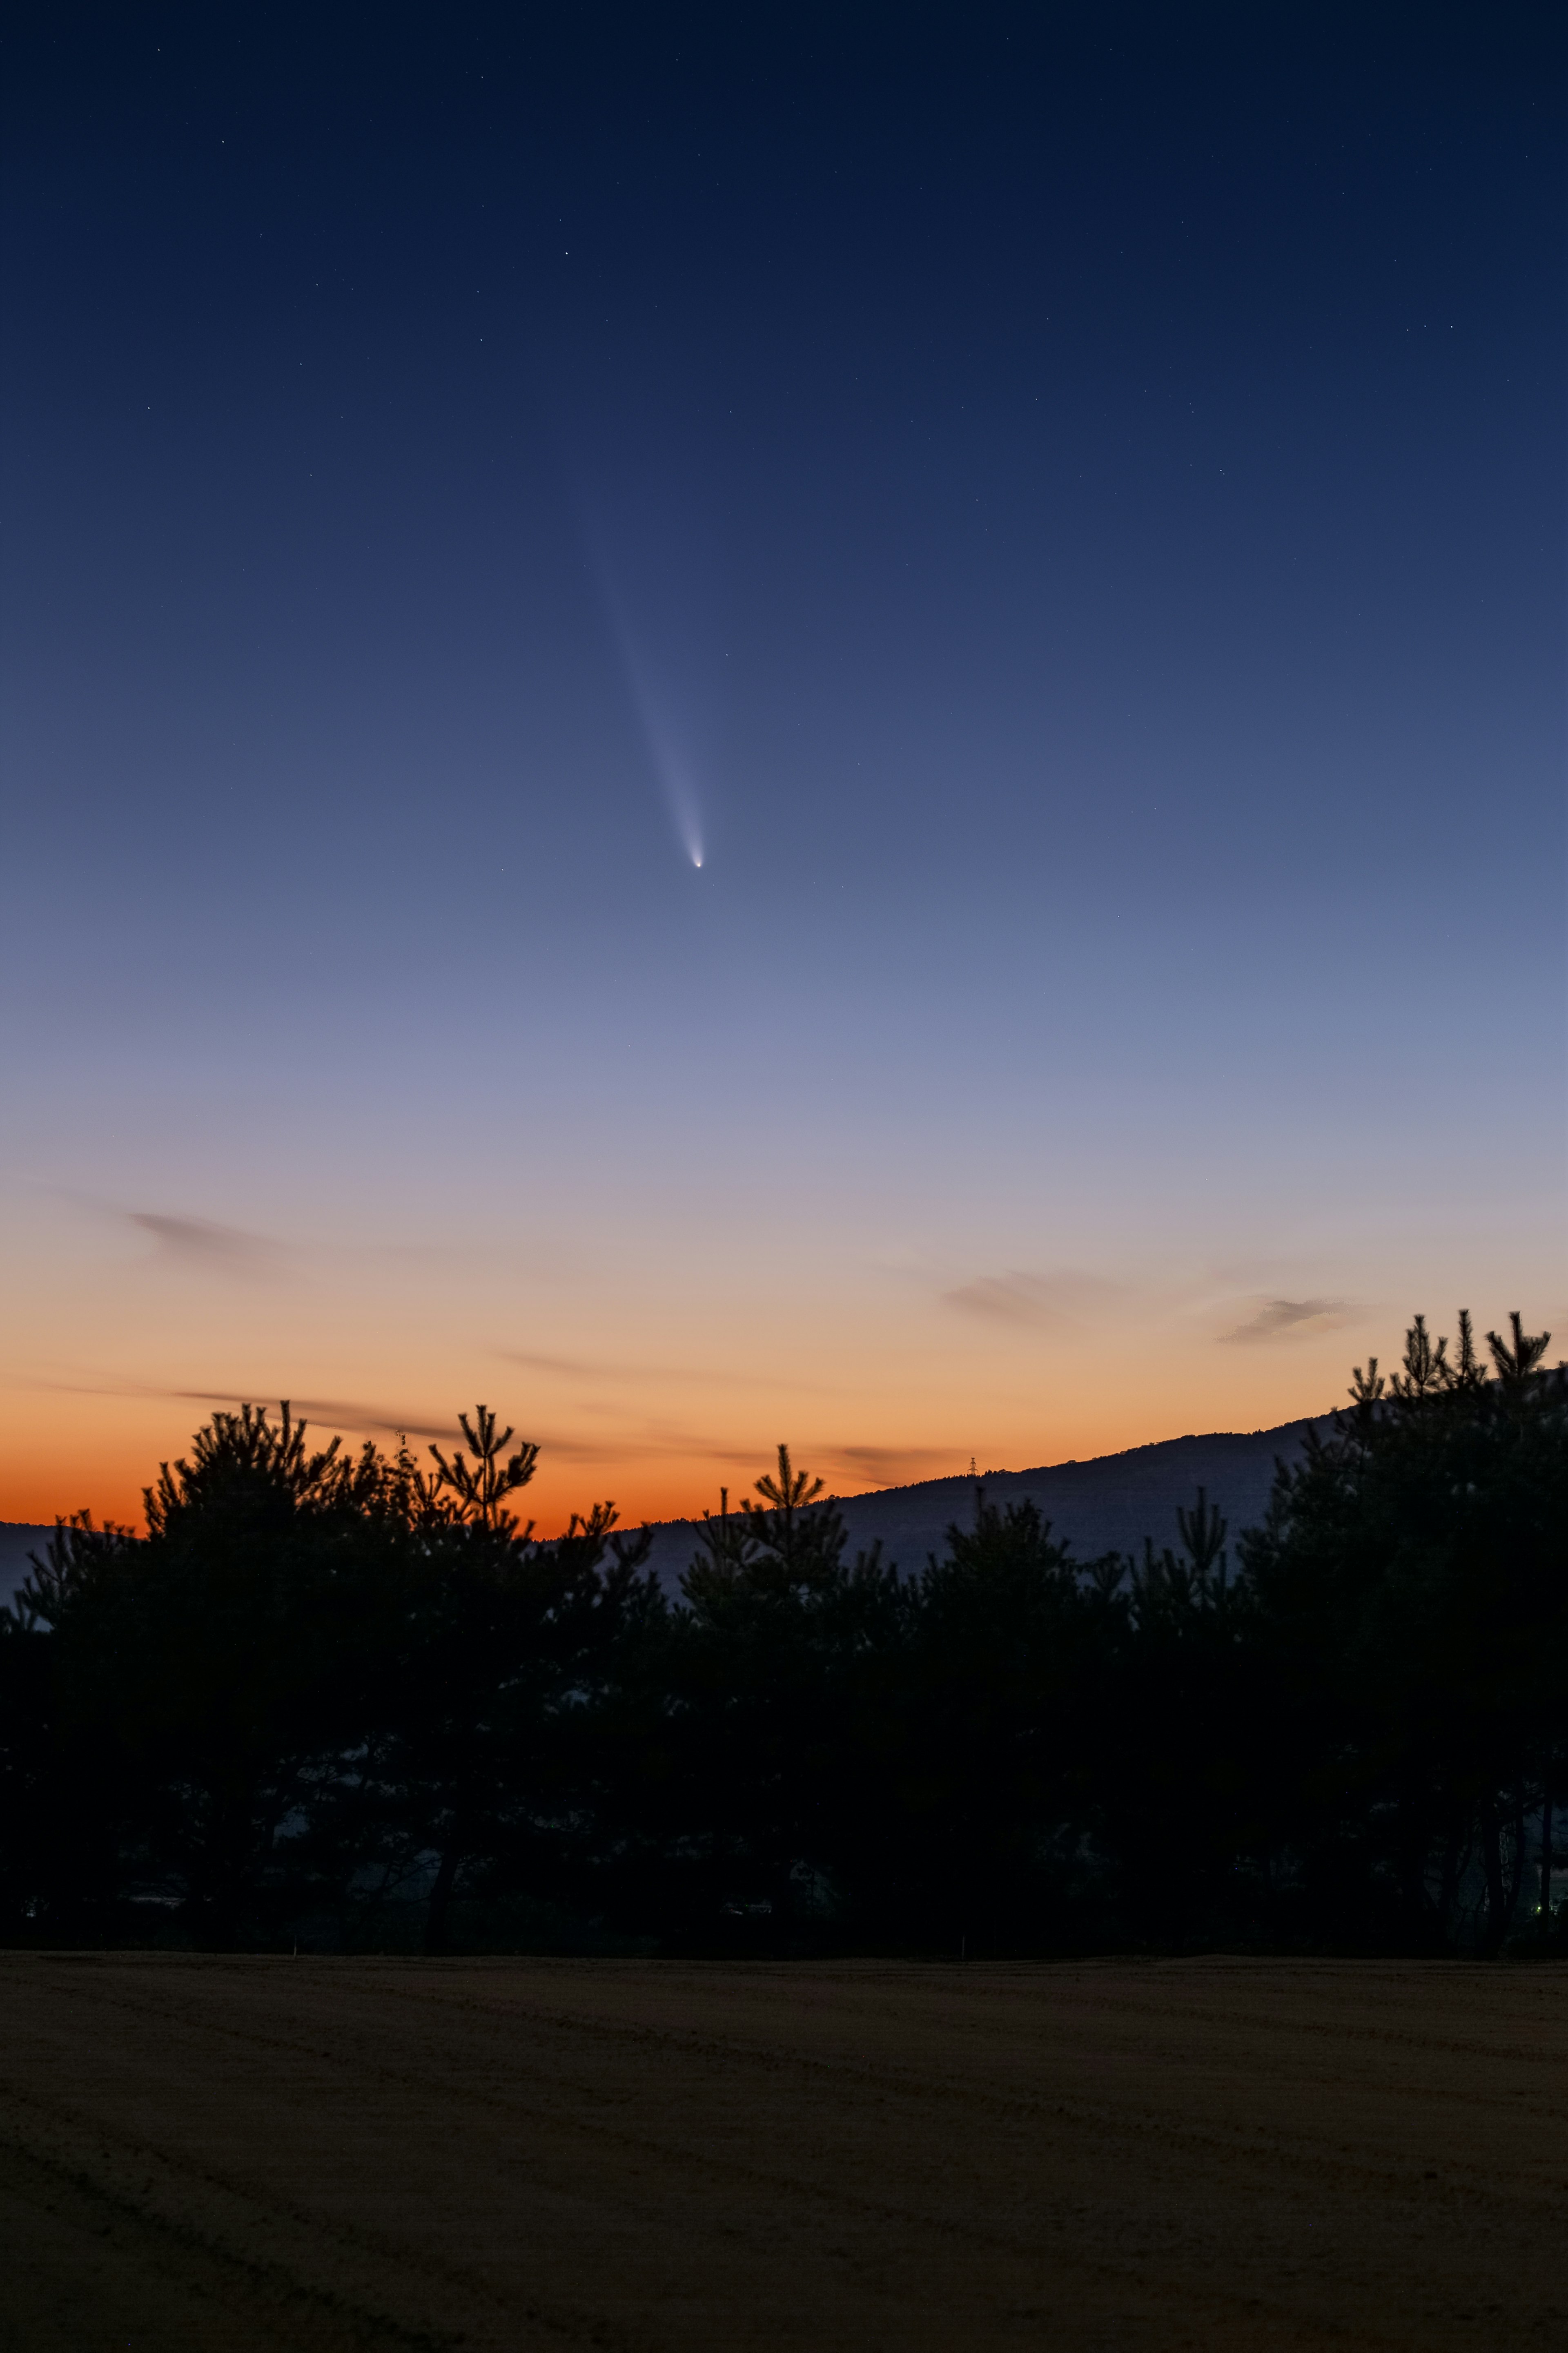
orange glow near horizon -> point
(66, 1450)
(655, 1372)
(914, 810)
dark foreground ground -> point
(228, 2154)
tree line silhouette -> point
(352, 1702)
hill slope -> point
(17, 1539)
(1106, 1505)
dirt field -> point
(224, 2155)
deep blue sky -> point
(1065, 508)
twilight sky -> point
(1059, 511)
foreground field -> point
(228, 2154)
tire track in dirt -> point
(725, 2173)
(1189, 2140)
(663, 2094)
(888, 2080)
(189, 2262)
(72, 2167)
(1080, 2116)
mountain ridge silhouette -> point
(1105, 1503)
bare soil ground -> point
(225, 2155)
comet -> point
(668, 747)
(658, 707)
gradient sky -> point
(1061, 511)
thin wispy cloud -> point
(631, 1375)
(570, 1368)
(627, 1438)
(1059, 1301)
(201, 1243)
(895, 1466)
(1280, 1319)
(326, 1415)
(378, 1420)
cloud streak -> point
(1058, 1302)
(205, 1245)
(1279, 1318)
(331, 1414)
(895, 1466)
(630, 1375)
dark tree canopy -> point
(352, 1699)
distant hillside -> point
(17, 1539)
(1108, 1504)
